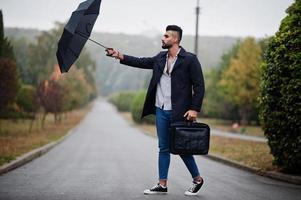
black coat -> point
(187, 82)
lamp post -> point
(197, 28)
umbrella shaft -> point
(87, 37)
(98, 43)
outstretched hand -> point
(110, 52)
(113, 53)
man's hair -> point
(175, 28)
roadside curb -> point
(271, 174)
(27, 157)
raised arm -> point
(144, 63)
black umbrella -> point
(76, 33)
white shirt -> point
(163, 94)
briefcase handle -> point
(190, 122)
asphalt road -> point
(106, 158)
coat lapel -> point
(178, 63)
(180, 59)
(162, 62)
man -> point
(175, 93)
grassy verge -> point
(254, 154)
(225, 125)
(250, 153)
(15, 138)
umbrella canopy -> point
(76, 33)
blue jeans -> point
(163, 119)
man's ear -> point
(176, 39)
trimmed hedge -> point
(281, 92)
(137, 108)
(123, 100)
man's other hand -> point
(191, 115)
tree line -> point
(31, 82)
(232, 88)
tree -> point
(8, 83)
(1, 33)
(6, 49)
(240, 82)
(8, 72)
(281, 92)
(27, 102)
(215, 104)
(78, 88)
(21, 52)
(51, 96)
(42, 57)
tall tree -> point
(215, 104)
(281, 92)
(21, 52)
(8, 72)
(1, 33)
(240, 81)
(6, 49)
(8, 83)
(42, 58)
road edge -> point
(270, 174)
(35, 153)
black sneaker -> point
(158, 189)
(194, 189)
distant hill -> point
(111, 76)
(17, 33)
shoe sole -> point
(191, 194)
(187, 193)
(156, 193)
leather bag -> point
(191, 138)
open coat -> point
(187, 82)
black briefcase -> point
(189, 138)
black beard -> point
(166, 46)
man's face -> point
(169, 39)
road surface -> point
(107, 158)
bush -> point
(123, 100)
(12, 111)
(281, 92)
(26, 99)
(80, 92)
(137, 108)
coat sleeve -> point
(144, 63)
(198, 85)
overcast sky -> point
(218, 17)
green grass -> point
(15, 138)
(6, 159)
(225, 125)
(250, 153)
